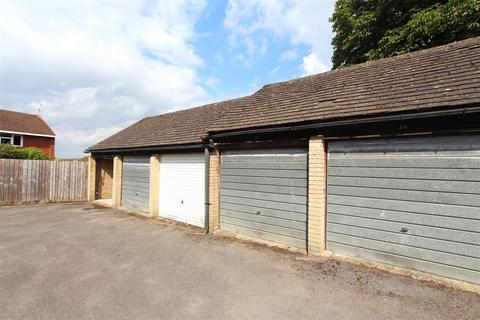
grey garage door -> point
(263, 194)
(413, 202)
(136, 182)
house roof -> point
(21, 122)
(440, 77)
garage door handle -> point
(404, 230)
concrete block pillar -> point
(317, 197)
(153, 202)
(214, 191)
(117, 181)
(92, 175)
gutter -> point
(397, 117)
(29, 134)
(151, 149)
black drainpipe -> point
(207, 182)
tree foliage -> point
(373, 29)
(8, 151)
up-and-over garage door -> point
(136, 182)
(263, 194)
(413, 202)
(182, 187)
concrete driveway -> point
(74, 261)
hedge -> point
(8, 151)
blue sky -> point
(90, 68)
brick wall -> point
(45, 144)
(104, 179)
(117, 181)
(92, 165)
(317, 161)
(214, 191)
(153, 201)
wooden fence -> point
(24, 181)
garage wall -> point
(414, 202)
(136, 182)
(263, 194)
(104, 178)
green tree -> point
(373, 29)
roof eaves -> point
(29, 133)
(367, 118)
(177, 147)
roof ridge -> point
(27, 113)
(377, 61)
(313, 76)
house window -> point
(13, 139)
(17, 140)
(5, 140)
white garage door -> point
(182, 188)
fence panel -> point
(23, 181)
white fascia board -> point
(28, 134)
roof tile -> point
(23, 122)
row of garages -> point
(411, 201)
(378, 161)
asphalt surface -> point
(76, 261)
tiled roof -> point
(23, 122)
(445, 76)
(187, 126)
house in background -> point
(26, 130)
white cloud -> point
(312, 64)
(92, 67)
(303, 22)
(289, 55)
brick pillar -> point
(317, 171)
(91, 183)
(214, 191)
(117, 181)
(153, 202)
